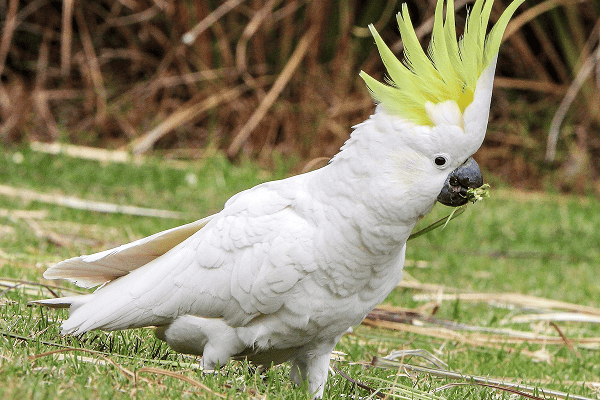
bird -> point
(288, 266)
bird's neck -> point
(362, 184)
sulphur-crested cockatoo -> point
(288, 266)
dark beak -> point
(454, 192)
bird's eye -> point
(440, 161)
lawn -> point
(508, 292)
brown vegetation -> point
(257, 76)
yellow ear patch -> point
(449, 70)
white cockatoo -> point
(288, 266)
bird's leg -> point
(298, 372)
(211, 338)
(313, 368)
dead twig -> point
(413, 317)
(35, 288)
(40, 104)
(556, 316)
(532, 13)
(100, 155)
(136, 18)
(29, 214)
(10, 24)
(531, 85)
(489, 385)
(374, 392)
(568, 342)
(84, 152)
(507, 384)
(277, 88)
(386, 14)
(31, 339)
(518, 299)
(94, 66)
(312, 164)
(171, 374)
(584, 73)
(186, 114)
(66, 34)
(128, 374)
(249, 31)
(476, 338)
(89, 205)
(50, 236)
(213, 17)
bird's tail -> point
(131, 301)
(114, 305)
(71, 302)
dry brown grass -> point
(254, 76)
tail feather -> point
(141, 298)
(71, 302)
(87, 312)
(128, 273)
(60, 302)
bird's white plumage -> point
(287, 266)
(282, 271)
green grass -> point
(542, 245)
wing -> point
(243, 263)
(96, 269)
(249, 257)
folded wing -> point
(235, 265)
(96, 269)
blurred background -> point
(268, 80)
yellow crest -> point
(451, 70)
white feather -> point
(287, 266)
(96, 269)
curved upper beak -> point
(454, 192)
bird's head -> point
(439, 101)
